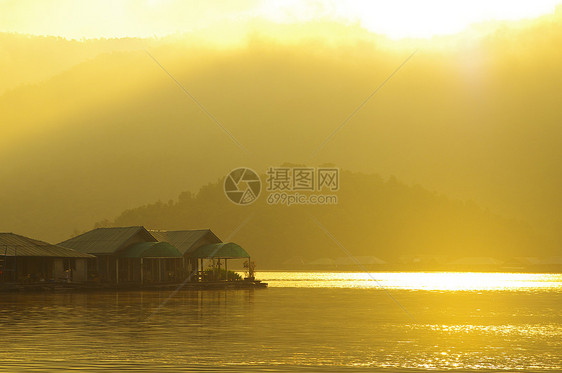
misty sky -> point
(91, 128)
(147, 18)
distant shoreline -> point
(397, 270)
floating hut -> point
(475, 263)
(26, 260)
(128, 255)
(218, 252)
(134, 255)
(199, 245)
(187, 241)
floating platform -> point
(86, 287)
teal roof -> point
(220, 250)
(150, 250)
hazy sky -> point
(396, 19)
(475, 118)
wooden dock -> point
(87, 287)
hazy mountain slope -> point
(373, 217)
(479, 121)
(30, 60)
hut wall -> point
(32, 268)
(129, 270)
(105, 268)
(58, 269)
(80, 272)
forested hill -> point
(91, 128)
(373, 216)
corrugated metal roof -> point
(477, 260)
(365, 260)
(525, 260)
(184, 240)
(323, 262)
(105, 240)
(12, 244)
(150, 250)
(553, 260)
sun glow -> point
(423, 19)
(127, 18)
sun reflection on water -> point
(436, 281)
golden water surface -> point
(305, 321)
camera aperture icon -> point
(242, 186)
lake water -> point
(305, 321)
